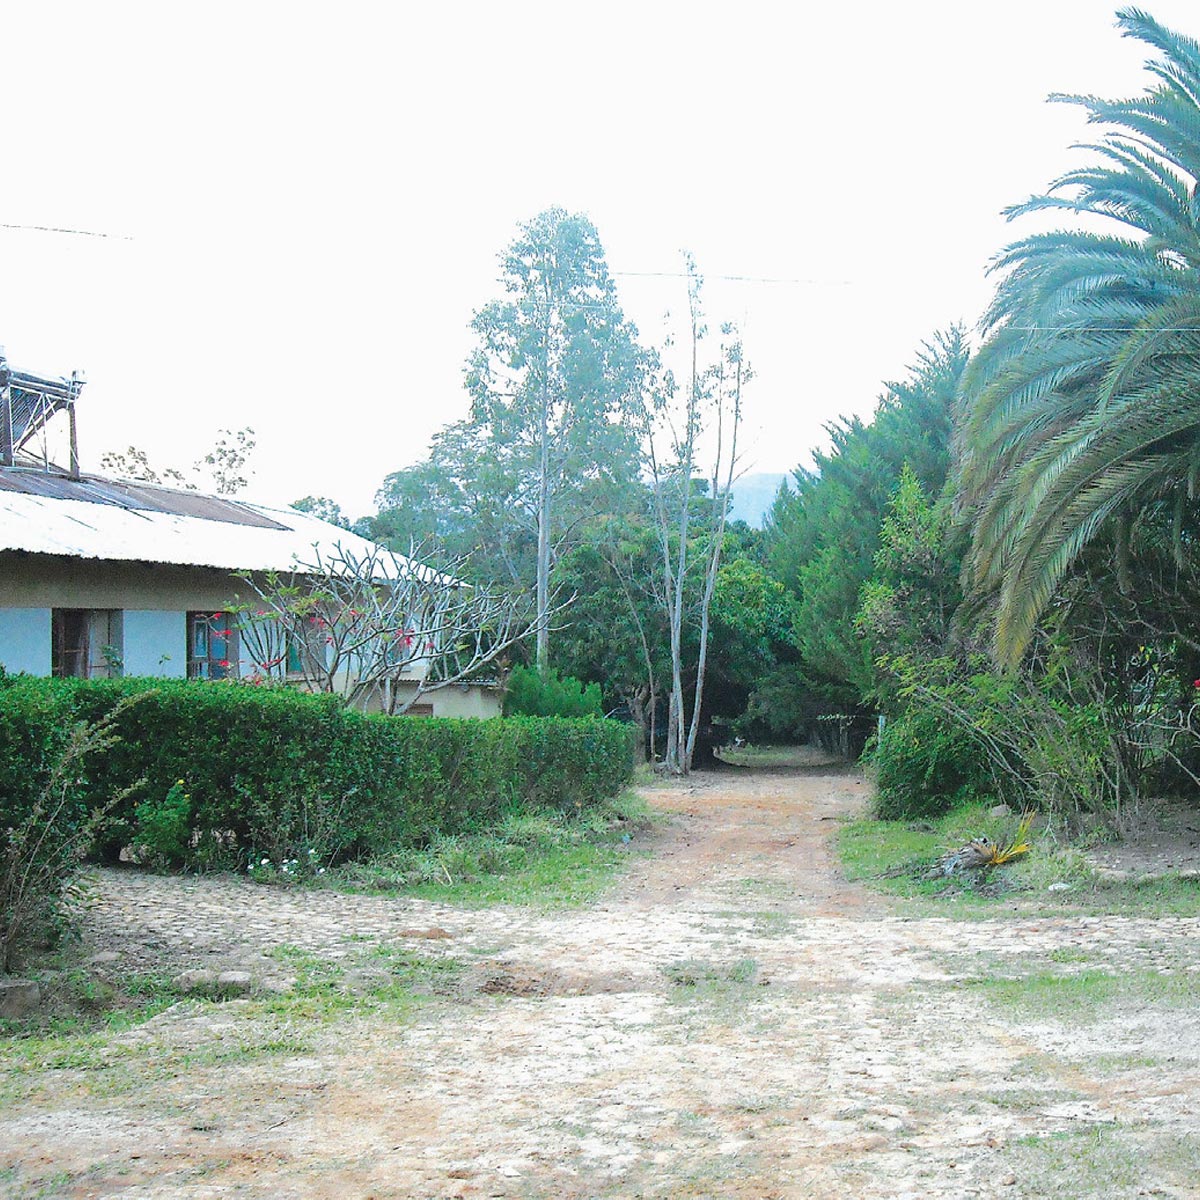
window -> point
(307, 649)
(212, 646)
(86, 643)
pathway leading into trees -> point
(732, 1020)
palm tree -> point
(1082, 408)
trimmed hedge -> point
(274, 771)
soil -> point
(732, 1019)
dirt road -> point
(731, 1020)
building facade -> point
(102, 577)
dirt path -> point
(731, 1020)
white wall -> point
(25, 640)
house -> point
(101, 577)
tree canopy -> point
(1082, 408)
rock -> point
(1001, 810)
(1060, 886)
(201, 981)
(18, 998)
(104, 958)
(234, 983)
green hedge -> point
(272, 770)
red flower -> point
(224, 664)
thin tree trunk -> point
(720, 511)
(543, 546)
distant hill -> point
(753, 496)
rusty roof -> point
(115, 520)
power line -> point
(737, 278)
(121, 237)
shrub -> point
(926, 766)
(531, 694)
(40, 852)
(163, 827)
(282, 773)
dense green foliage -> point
(548, 694)
(925, 766)
(1066, 677)
(1082, 413)
(824, 536)
(275, 772)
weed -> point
(1104, 1160)
(41, 854)
(162, 828)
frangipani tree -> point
(377, 629)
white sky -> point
(317, 197)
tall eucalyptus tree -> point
(554, 372)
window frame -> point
(213, 646)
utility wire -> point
(736, 278)
(121, 237)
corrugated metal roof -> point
(145, 497)
(42, 513)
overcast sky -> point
(305, 204)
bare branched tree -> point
(378, 629)
(691, 526)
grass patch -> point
(778, 756)
(383, 980)
(108, 1055)
(1083, 996)
(1112, 1161)
(539, 859)
(699, 981)
(894, 857)
(76, 1001)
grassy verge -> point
(1083, 996)
(1055, 877)
(766, 757)
(544, 860)
(541, 859)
